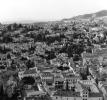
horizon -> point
(47, 10)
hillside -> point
(99, 14)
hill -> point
(99, 14)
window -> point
(84, 95)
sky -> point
(47, 10)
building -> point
(30, 72)
(66, 95)
(58, 81)
(47, 77)
(32, 92)
(71, 79)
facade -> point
(58, 82)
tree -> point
(67, 85)
(9, 91)
(30, 64)
(8, 56)
(28, 80)
(7, 38)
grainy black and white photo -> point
(53, 49)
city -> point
(60, 60)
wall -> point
(95, 98)
(67, 98)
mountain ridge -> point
(98, 14)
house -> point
(71, 79)
(30, 72)
(99, 54)
(88, 56)
(90, 92)
(58, 82)
(47, 77)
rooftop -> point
(95, 95)
(101, 51)
(29, 93)
(89, 55)
(31, 71)
(46, 74)
(92, 87)
(65, 75)
(65, 93)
